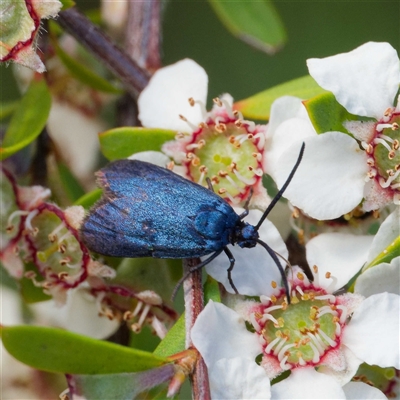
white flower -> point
(318, 321)
(219, 144)
(336, 174)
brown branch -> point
(103, 48)
(143, 33)
(194, 304)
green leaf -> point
(327, 115)
(125, 386)
(123, 142)
(257, 23)
(387, 255)
(211, 290)
(174, 341)
(67, 4)
(72, 187)
(258, 106)
(7, 108)
(56, 350)
(88, 199)
(84, 74)
(28, 119)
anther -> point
(220, 128)
(395, 144)
(191, 101)
(371, 162)
(222, 191)
(238, 123)
(182, 118)
(391, 154)
(171, 165)
(203, 169)
(274, 284)
(222, 174)
(217, 101)
(300, 276)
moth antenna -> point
(273, 255)
(283, 188)
(209, 184)
(245, 213)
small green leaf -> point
(56, 350)
(327, 115)
(123, 142)
(124, 386)
(387, 255)
(72, 187)
(67, 4)
(257, 23)
(88, 199)
(84, 74)
(211, 290)
(258, 106)
(7, 108)
(174, 341)
(28, 119)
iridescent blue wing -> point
(147, 210)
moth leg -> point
(245, 213)
(195, 268)
(209, 184)
(232, 261)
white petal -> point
(364, 80)
(238, 378)
(154, 157)
(362, 391)
(254, 268)
(220, 332)
(306, 383)
(284, 108)
(387, 233)
(380, 278)
(166, 96)
(330, 178)
(351, 366)
(86, 321)
(341, 254)
(373, 333)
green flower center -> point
(229, 152)
(384, 151)
(300, 333)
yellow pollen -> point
(258, 315)
(284, 305)
(217, 101)
(369, 149)
(222, 191)
(300, 276)
(387, 112)
(279, 334)
(300, 236)
(273, 299)
(191, 101)
(333, 307)
(274, 284)
(182, 118)
(195, 162)
(305, 296)
(299, 354)
(220, 128)
(280, 324)
(170, 165)
(294, 300)
(335, 319)
(239, 123)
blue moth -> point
(149, 211)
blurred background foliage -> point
(314, 29)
